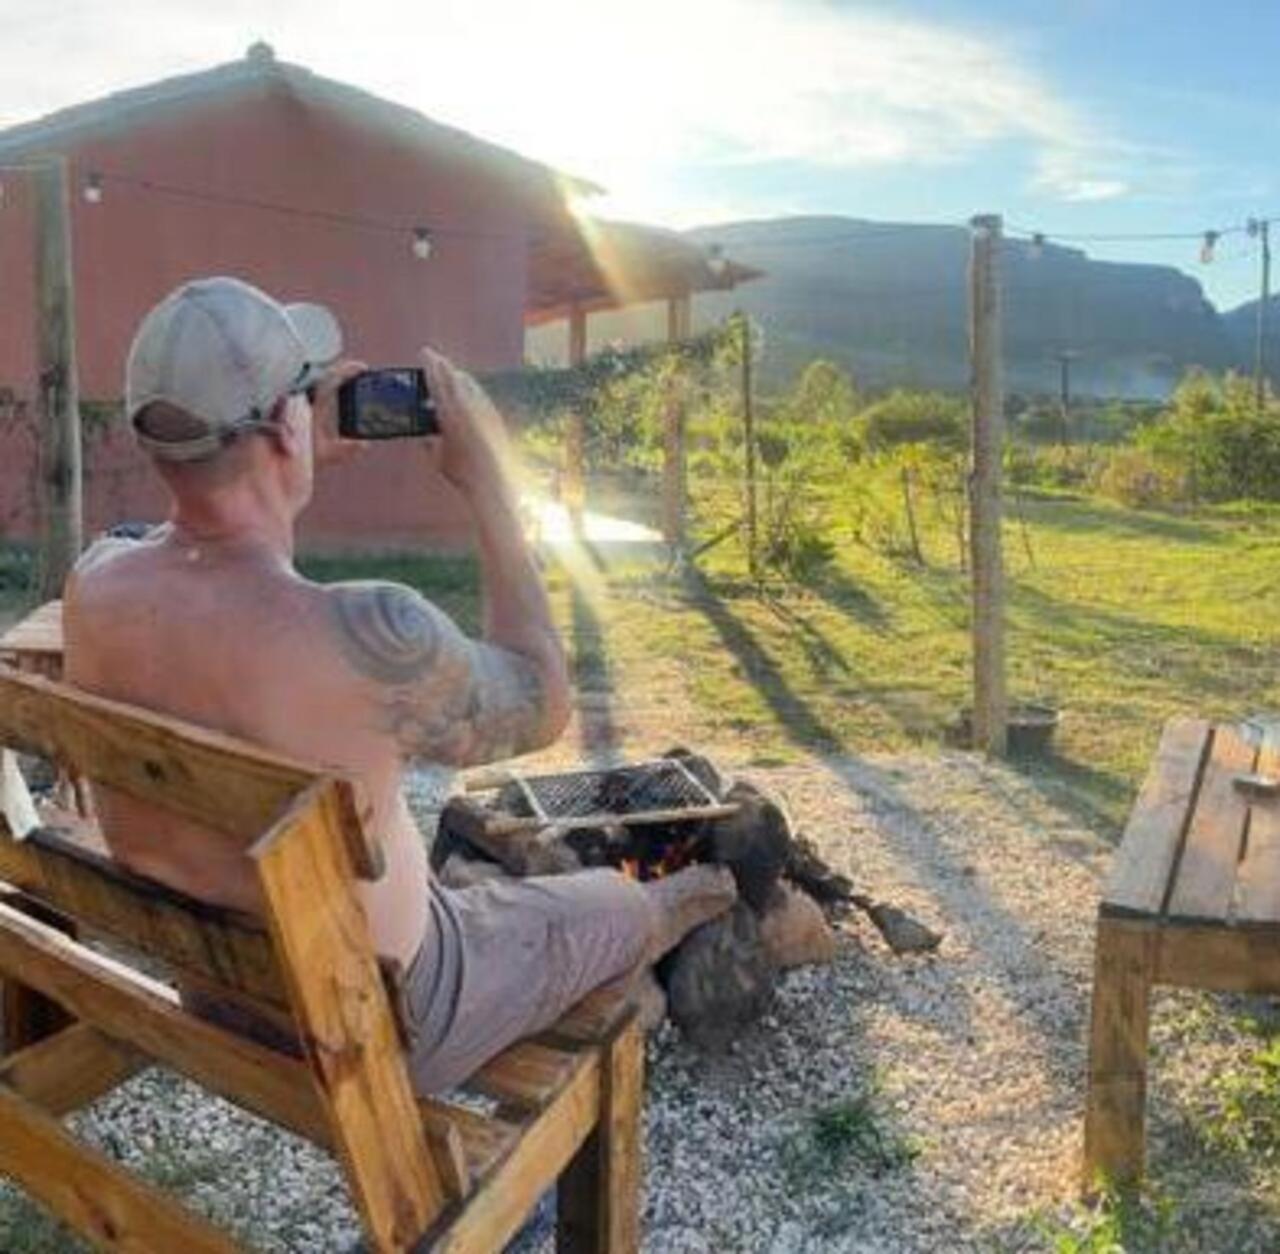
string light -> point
(717, 262)
(93, 188)
(1208, 240)
(421, 243)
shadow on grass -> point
(798, 719)
(821, 652)
(1092, 516)
(827, 660)
(592, 679)
(1096, 624)
(1099, 799)
(1211, 667)
(839, 590)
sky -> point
(1069, 117)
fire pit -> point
(650, 819)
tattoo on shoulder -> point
(443, 698)
(388, 633)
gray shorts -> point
(507, 958)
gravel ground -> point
(950, 1087)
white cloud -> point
(625, 93)
(1082, 176)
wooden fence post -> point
(575, 479)
(749, 439)
(673, 436)
(990, 700)
(58, 413)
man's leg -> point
(511, 956)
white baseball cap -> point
(223, 352)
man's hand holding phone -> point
(329, 448)
(475, 455)
(356, 405)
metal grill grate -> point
(664, 784)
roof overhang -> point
(606, 265)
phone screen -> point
(386, 404)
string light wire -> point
(98, 179)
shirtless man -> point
(207, 619)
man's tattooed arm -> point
(443, 697)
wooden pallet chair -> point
(423, 1174)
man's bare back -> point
(227, 636)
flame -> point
(677, 856)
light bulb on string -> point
(1207, 247)
(1037, 246)
(717, 262)
(93, 189)
(422, 243)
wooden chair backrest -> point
(312, 955)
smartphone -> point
(388, 404)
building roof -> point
(609, 264)
(259, 69)
(582, 264)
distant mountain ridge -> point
(889, 302)
(1242, 327)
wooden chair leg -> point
(598, 1197)
(1115, 1119)
(26, 1016)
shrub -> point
(1214, 435)
(1139, 479)
(823, 394)
(915, 418)
(1073, 466)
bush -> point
(823, 394)
(1137, 478)
(916, 418)
(1070, 467)
(1213, 434)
